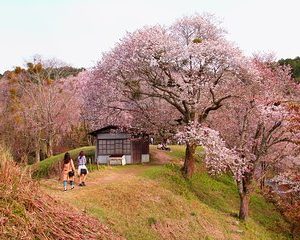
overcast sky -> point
(78, 31)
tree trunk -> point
(262, 172)
(244, 206)
(37, 146)
(37, 153)
(50, 147)
(189, 162)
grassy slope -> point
(155, 202)
(221, 194)
(26, 212)
(50, 166)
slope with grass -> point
(51, 166)
(26, 212)
(155, 202)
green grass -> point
(49, 166)
(178, 152)
(156, 202)
(220, 193)
(171, 178)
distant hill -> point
(64, 72)
(295, 65)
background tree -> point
(286, 195)
(255, 131)
(42, 102)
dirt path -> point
(117, 174)
(109, 175)
(160, 157)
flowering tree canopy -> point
(189, 67)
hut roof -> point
(107, 129)
(104, 130)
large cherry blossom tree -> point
(188, 67)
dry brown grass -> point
(28, 213)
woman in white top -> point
(82, 169)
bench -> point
(116, 160)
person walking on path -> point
(68, 171)
(82, 169)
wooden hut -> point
(117, 146)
